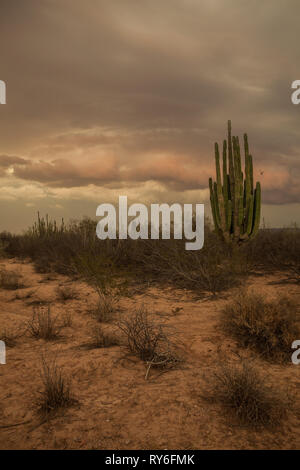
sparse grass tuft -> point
(43, 324)
(249, 395)
(268, 326)
(56, 392)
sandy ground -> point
(117, 408)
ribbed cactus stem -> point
(235, 205)
(212, 204)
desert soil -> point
(117, 408)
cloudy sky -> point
(127, 97)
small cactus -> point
(235, 204)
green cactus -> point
(235, 204)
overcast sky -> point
(127, 97)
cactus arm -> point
(250, 216)
(248, 178)
(217, 161)
(212, 203)
(238, 158)
(225, 179)
(225, 183)
(220, 196)
(229, 216)
(216, 202)
(241, 207)
(256, 210)
(251, 172)
(230, 164)
(237, 177)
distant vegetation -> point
(75, 250)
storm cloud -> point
(116, 95)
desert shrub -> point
(102, 338)
(10, 280)
(105, 308)
(3, 246)
(66, 293)
(53, 246)
(268, 326)
(43, 263)
(241, 389)
(276, 250)
(43, 324)
(56, 391)
(148, 340)
(97, 271)
(293, 273)
(100, 274)
(208, 270)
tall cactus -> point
(235, 204)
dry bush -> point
(52, 246)
(216, 278)
(106, 307)
(268, 326)
(3, 246)
(293, 272)
(149, 340)
(96, 271)
(43, 263)
(102, 338)
(66, 293)
(245, 392)
(56, 392)
(277, 250)
(43, 324)
(100, 274)
(10, 280)
(208, 270)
